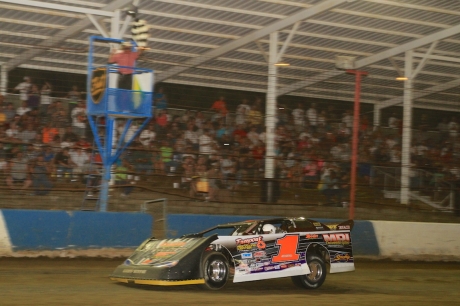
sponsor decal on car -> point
(163, 254)
(250, 244)
(172, 244)
(259, 254)
(269, 268)
(246, 255)
(337, 239)
(318, 225)
(342, 257)
(146, 261)
(311, 236)
(344, 227)
(134, 271)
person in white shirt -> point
(23, 89)
(199, 119)
(13, 131)
(393, 121)
(45, 98)
(132, 130)
(395, 154)
(79, 119)
(81, 159)
(191, 136)
(422, 149)
(299, 117)
(206, 143)
(262, 137)
(21, 110)
(312, 116)
(304, 134)
(241, 112)
(147, 136)
(391, 142)
(348, 119)
(453, 127)
(253, 136)
(336, 151)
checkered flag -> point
(140, 32)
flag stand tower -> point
(107, 105)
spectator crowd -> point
(211, 150)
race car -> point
(244, 251)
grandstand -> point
(228, 124)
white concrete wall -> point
(5, 243)
(418, 241)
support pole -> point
(270, 116)
(3, 80)
(354, 146)
(107, 159)
(377, 113)
(407, 132)
(104, 194)
(115, 25)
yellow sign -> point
(98, 81)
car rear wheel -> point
(317, 274)
(215, 271)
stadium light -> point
(282, 64)
(131, 10)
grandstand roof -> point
(224, 43)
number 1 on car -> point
(287, 249)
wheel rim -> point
(316, 271)
(217, 270)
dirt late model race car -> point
(299, 248)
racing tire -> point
(215, 271)
(316, 278)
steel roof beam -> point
(408, 46)
(376, 58)
(60, 7)
(276, 26)
(419, 94)
(62, 35)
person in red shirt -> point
(220, 107)
(127, 57)
(48, 133)
(240, 131)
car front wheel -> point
(215, 271)
(317, 274)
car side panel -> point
(266, 256)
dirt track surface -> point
(85, 282)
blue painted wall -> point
(52, 230)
